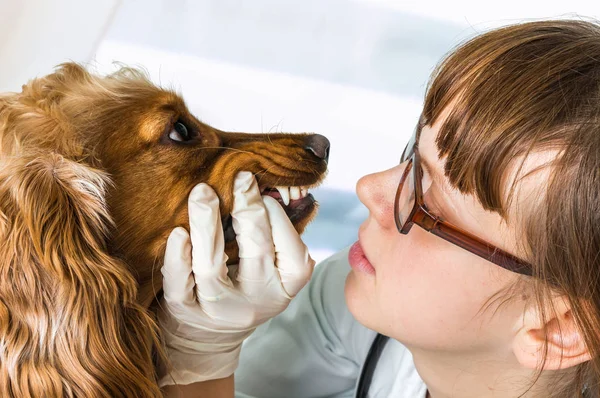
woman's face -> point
(422, 290)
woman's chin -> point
(357, 298)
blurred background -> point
(352, 70)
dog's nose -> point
(318, 145)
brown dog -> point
(95, 172)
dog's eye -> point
(179, 133)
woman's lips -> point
(358, 261)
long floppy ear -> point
(70, 325)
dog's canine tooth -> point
(295, 193)
(303, 192)
(285, 194)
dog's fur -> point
(90, 188)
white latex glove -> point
(208, 310)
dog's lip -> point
(300, 208)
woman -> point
(479, 258)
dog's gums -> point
(297, 202)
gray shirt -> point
(316, 348)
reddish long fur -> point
(70, 322)
(89, 191)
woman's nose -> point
(377, 192)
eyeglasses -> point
(409, 209)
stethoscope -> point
(366, 376)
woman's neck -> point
(469, 375)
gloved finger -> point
(178, 279)
(252, 229)
(293, 261)
(209, 261)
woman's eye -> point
(179, 133)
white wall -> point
(490, 13)
(36, 35)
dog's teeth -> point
(303, 192)
(294, 193)
(285, 194)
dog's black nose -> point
(318, 145)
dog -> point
(95, 173)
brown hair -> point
(533, 87)
(70, 321)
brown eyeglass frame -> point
(421, 216)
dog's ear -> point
(70, 325)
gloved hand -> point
(208, 310)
